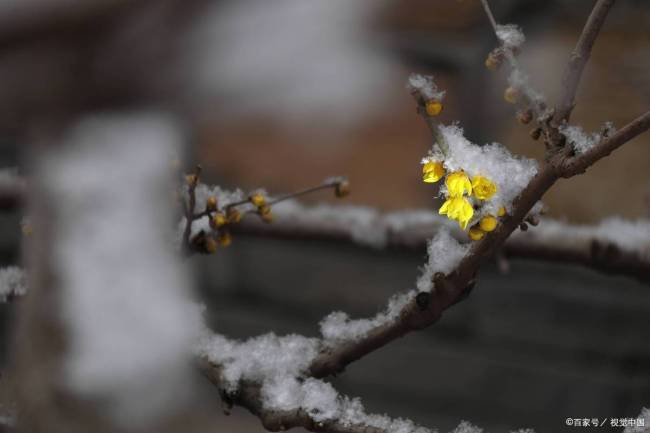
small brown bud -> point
(525, 116)
(493, 60)
(211, 203)
(224, 238)
(342, 188)
(233, 215)
(191, 179)
(523, 227)
(533, 220)
(267, 217)
(210, 245)
(511, 95)
(535, 133)
(264, 209)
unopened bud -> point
(342, 188)
(211, 203)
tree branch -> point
(579, 58)
(579, 163)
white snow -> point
(644, 416)
(323, 403)
(425, 85)
(579, 139)
(509, 172)
(444, 254)
(338, 326)
(510, 35)
(628, 235)
(12, 282)
(265, 357)
(130, 325)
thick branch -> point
(579, 163)
(410, 231)
(579, 58)
(249, 396)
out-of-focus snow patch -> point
(130, 323)
(292, 60)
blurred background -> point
(283, 94)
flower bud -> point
(342, 188)
(475, 233)
(211, 203)
(511, 95)
(535, 133)
(257, 199)
(525, 116)
(233, 215)
(488, 223)
(218, 220)
(502, 211)
(224, 238)
(210, 245)
(433, 108)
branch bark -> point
(579, 163)
(580, 57)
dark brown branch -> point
(579, 58)
(414, 236)
(579, 163)
(448, 289)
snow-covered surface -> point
(130, 324)
(510, 35)
(425, 85)
(12, 282)
(266, 357)
(509, 172)
(364, 225)
(628, 235)
(278, 364)
(581, 140)
(444, 254)
(645, 416)
(338, 326)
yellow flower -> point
(483, 187)
(432, 171)
(459, 209)
(475, 233)
(433, 108)
(458, 183)
(502, 211)
(218, 220)
(488, 223)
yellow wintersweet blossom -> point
(432, 171)
(459, 209)
(488, 223)
(502, 211)
(458, 183)
(483, 187)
